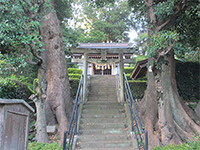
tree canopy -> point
(109, 23)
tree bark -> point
(166, 118)
(58, 101)
(163, 112)
(39, 99)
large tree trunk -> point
(163, 112)
(58, 101)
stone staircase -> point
(104, 122)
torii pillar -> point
(85, 68)
(121, 71)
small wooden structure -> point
(14, 121)
(140, 69)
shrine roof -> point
(140, 69)
(103, 45)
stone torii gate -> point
(102, 54)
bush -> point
(74, 71)
(128, 70)
(187, 77)
(15, 88)
(74, 82)
(137, 88)
(44, 146)
(128, 77)
(193, 145)
(72, 76)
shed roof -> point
(140, 69)
(16, 101)
(103, 45)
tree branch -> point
(168, 21)
(34, 53)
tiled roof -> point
(103, 45)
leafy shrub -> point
(190, 145)
(187, 77)
(72, 76)
(74, 71)
(137, 88)
(44, 146)
(128, 76)
(15, 88)
(128, 70)
(74, 86)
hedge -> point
(15, 88)
(72, 76)
(74, 82)
(187, 77)
(137, 88)
(74, 71)
(128, 70)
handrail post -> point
(146, 140)
(64, 142)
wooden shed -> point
(14, 121)
(140, 69)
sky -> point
(132, 35)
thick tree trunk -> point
(58, 103)
(163, 112)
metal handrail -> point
(135, 120)
(72, 130)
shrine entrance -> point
(107, 70)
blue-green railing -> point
(135, 120)
(72, 130)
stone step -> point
(113, 111)
(130, 148)
(102, 99)
(102, 92)
(100, 106)
(102, 115)
(103, 126)
(107, 88)
(113, 131)
(106, 144)
(104, 103)
(103, 120)
(92, 138)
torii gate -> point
(103, 51)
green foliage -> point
(15, 88)
(74, 82)
(140, 57)
(137, 88)
(128, 77)
(105, 24)
(190, 145)
(193, 56)
(187, 77)
(44, 146)
(74, 71)
(141, 43)
(63, 9)
(73, 76)
(128, 70)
